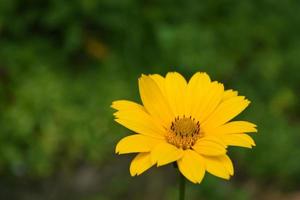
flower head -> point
(184, 122)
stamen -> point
(184, 132)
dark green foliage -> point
(62, 63)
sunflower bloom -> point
(184, 122)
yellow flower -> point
(188, 123)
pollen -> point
(184, 132)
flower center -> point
(184, 132)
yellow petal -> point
(241, 140)
(192, 166)
(175, 85)
(226, 111)
(135, 118)
(234, 127)
(160, 81)
(228, 164)
(197, 88)
(126, 105)
(136, 143)
(142, 128)
(209, 146)
(165, 153)
(140, 163)
(154, 100)
(210, 102)
(228, 94)
(219, 166)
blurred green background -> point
(62, 63)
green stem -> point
(181, 186)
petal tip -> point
(113, 105)
(133, 173)
(117, 149)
